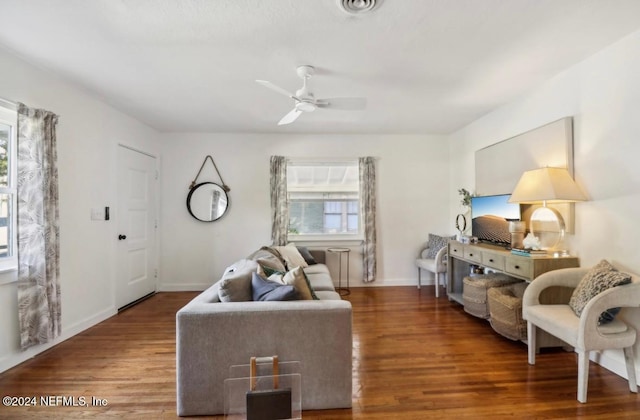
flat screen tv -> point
(490, 217)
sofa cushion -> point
(319, 277)
(599, 278)
(316, 269)
(291, 256)
(269, 257)
(328, 295)
(295, 278)
(298, 279)
(267, 290)
(435, 244)
(304, 251)
(266, 271)
(235, 284)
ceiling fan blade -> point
(290, 117)
(349, 104)
(275, 88)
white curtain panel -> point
(279, 201)
(367, 171)
(39, 306)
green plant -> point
(466, 197)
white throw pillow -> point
(294, 277)
(291, 256)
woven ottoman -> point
(474, 291)
(505, 309)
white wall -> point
(412, 186)
(603, 96)
(87, 135)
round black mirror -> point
(207, 201)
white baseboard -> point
(385, 283)
(613, 360)
(15, 359)
(184, 287)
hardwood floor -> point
(414, 357)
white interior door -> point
(137, 224)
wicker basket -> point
(505, 309)
(474, 292)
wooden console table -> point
(462, 256)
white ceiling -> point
(425, 66)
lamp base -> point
(557, 253)
(548, 226)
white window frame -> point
(9, 116)
(330, 237)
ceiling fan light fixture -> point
(354, 7)
(305, 106)
(305, 101)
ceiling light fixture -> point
(354, 7)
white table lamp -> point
(547, 186)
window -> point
(323, 198)
(8, 175)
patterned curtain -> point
(279, 201)
(39, 312)
(367, 171)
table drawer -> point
(490, 259)
(457, 250)
(522, 267)
(473, 254)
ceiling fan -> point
(305, 101)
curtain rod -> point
(313, 160)
(324, 159)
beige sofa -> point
(212, 335)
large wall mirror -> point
(207, 202)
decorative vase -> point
(517, 230)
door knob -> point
(121, 237)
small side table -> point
(342, 291)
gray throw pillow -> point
(304, 251)
(599, 278)
(436, 243)
(267, 290)
(235, 285)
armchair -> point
(583, 333)
(436, 265)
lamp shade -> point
(549, 185)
